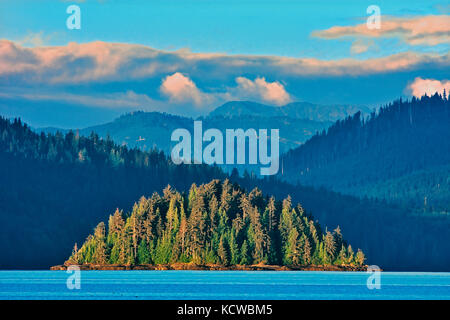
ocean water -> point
(222, 285)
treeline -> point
(215, 223)
(374, 156)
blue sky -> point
(263, 27)
(185, 83)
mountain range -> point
(297, 122)
(293, 110)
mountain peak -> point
(239, 108)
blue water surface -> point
(222, 285)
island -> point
(215, 226)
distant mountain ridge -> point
(296, 121)
(143, 130)
(147, 130)
(294, 110)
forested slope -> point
(401, 153)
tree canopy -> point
(215, 223)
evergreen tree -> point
(223, 252)
(144, 255)
(307, 252)
(234, 250)
(330, 247)
(245, 259)
(360, 257)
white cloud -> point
(260, 89)
(180, 89)
(420, 87)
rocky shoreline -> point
(212, 267)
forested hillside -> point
(54, 189)
(215, 223)
(401, 153)
(147, 130)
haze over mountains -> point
(294, 110)
(296, 121)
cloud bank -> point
(425, 30)
(101, 61)
(117, 75)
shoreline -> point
(211, 267)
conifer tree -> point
(245, 259)
(234, 250)
(223, 252)
(307, 252)
(360, 257)
(144, 256)
(330, 246)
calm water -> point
(222, 285)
